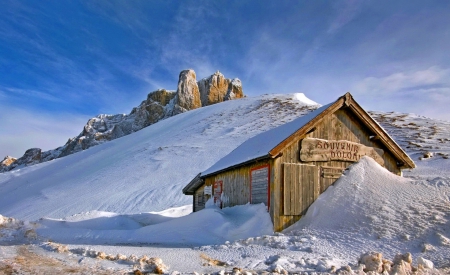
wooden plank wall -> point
(259, 184)
(338, 126)
(343, 126)
(236, 183)
(301, 187)
(199, 199)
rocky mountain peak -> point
(160, 104)
(214, 89)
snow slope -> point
(124, 197)
(147, 170)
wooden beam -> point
(312, 130)
(383, 136)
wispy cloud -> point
(346, 11)
(191, 42)
(432, 78)
(7, 92)
(105, 56)
(425, 92)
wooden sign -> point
(314, 149)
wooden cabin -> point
(288, 167)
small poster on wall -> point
(208, 190)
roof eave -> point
(193, 185)
(238, 165)
(383, 136)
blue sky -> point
(62, 62)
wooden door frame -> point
(268, 182)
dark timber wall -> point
(236, 184)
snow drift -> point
(369, 208)
(369, 199)
(210, 226)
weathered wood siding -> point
(338, 126)
(199, 199)
(301, 187)
(259, 184)
(343, 126)
(236, 184)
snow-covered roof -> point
(270, 143)
(260, 145)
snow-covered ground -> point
(118, 207)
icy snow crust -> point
(107, 209)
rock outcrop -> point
(374, 263)
(188, 95)
(108, 127)
(159, 105)
(32, 156)
(234, 90)
(6, 162)
(217, 88)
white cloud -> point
(23, 129)
(424, 92)
(405, 81)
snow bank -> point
(374, 202)
(370, 209)
(209, 226)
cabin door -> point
(301, 187)
(259, 185)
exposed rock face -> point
(7, 161)
(188, 95)
(213, 89)
(234, 90)
(32, 156)
(161, 96)
(108, 127)
(159, 105)
(217, 88)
